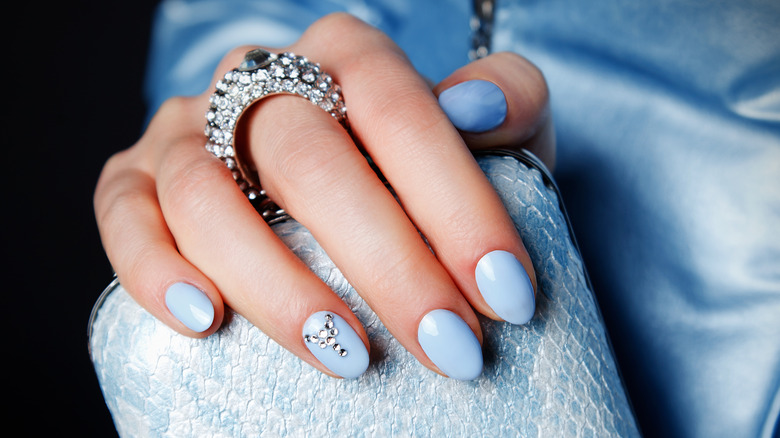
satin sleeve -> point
(189, 37)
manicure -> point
(450, 344)
(474, 106)
(190, 306)
(333, 342)
(506, 287)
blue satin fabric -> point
(668, 122)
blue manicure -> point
(474, 106)
(506, 287)
(190, 306)
(450, 344)
(333, 342)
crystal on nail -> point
(327, 337)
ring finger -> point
(216, 230)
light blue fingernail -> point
(474, 106)
(506, 287)
(333, 342)
(190, 306)
(450, 344)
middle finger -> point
(396, 117)
(312, 169)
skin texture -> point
(169, 212)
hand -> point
(184, 241)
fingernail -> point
(474, 106)
(190, 306)
(506, 287)
(333, 342)
(450, 344)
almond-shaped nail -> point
(450, 344)
(190, 305)
(506, 287)
(335, 344)
(474, 106)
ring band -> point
(260, 75)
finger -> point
(400, 123)
(500, 101)
(144, 255)
(310, 166)
(218, 230)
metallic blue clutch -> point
(555, 376)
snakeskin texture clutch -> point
(555, 376)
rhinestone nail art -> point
(326, 337)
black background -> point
(73, 83)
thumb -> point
(501, 100)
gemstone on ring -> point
(256, 59)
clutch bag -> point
(555, 376)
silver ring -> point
(260, 75)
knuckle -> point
(114, 207)
(114, 164)
(176, 117)
(337, 21)
(174, 111)
(290, 159)
(174, 105)
(361, 38)
(144, 157)
(390, 60)
(113, 170)
(308, 164)
(534, 85)
(519, 63)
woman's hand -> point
(184, 241)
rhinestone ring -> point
(260, 75)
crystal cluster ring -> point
(260, 75)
